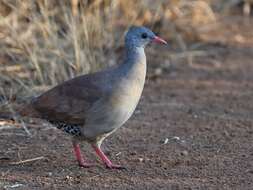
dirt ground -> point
(191, 130)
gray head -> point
(139, 36)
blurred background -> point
(45, 42)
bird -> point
(91, 107)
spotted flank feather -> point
(72, 129)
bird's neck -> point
(135, 57)
(134, 65)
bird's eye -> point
(144, 35)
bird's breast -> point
(127, 94)
(113, 111)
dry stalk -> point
(28, 160)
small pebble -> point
(140, 159)
(119, 153)
(184, 153)
(166, 141)
(158, 71)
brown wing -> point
(67, 102)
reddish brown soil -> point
(202, 110)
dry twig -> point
(28, 160)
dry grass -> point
(44, 42)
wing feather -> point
(68, 101)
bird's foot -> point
(106, 160)
(115, 166)
(81, 160)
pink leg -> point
(104, 158)
(81, 161)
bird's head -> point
(139, 36)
